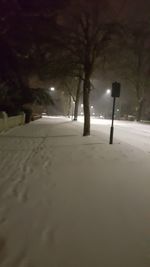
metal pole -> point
(112, 124)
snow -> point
(132, 133)
(72, 201)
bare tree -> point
(86, 30)
(140, 46)
(129, 57)
(77, 98)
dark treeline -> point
(68, 43)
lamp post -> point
(114, 93)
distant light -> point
(93, 113)
(108, 91)
(52, 89)
(92, 107)
(81, 113)
(101, 117)
(81, 105)
(73, 101)
(118, 109)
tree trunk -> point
(86, 103)
(140, 109)
(138, 87)
(69, 107)
(77, 100)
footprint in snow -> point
(49, 235)
(3, 214)
(21, 259)
(23, 196)
(3, 252)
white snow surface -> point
(72, 201)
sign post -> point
(114, 93)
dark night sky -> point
(125, 9)
(132, 9)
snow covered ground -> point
(72, 201)
(133, 133)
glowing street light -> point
(52, 89)
(92, 107)
(81, 105)
(108, 91)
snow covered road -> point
(132, 133)
(72, 201)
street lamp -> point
(108, 91)
(52, 89)
(92, 107)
